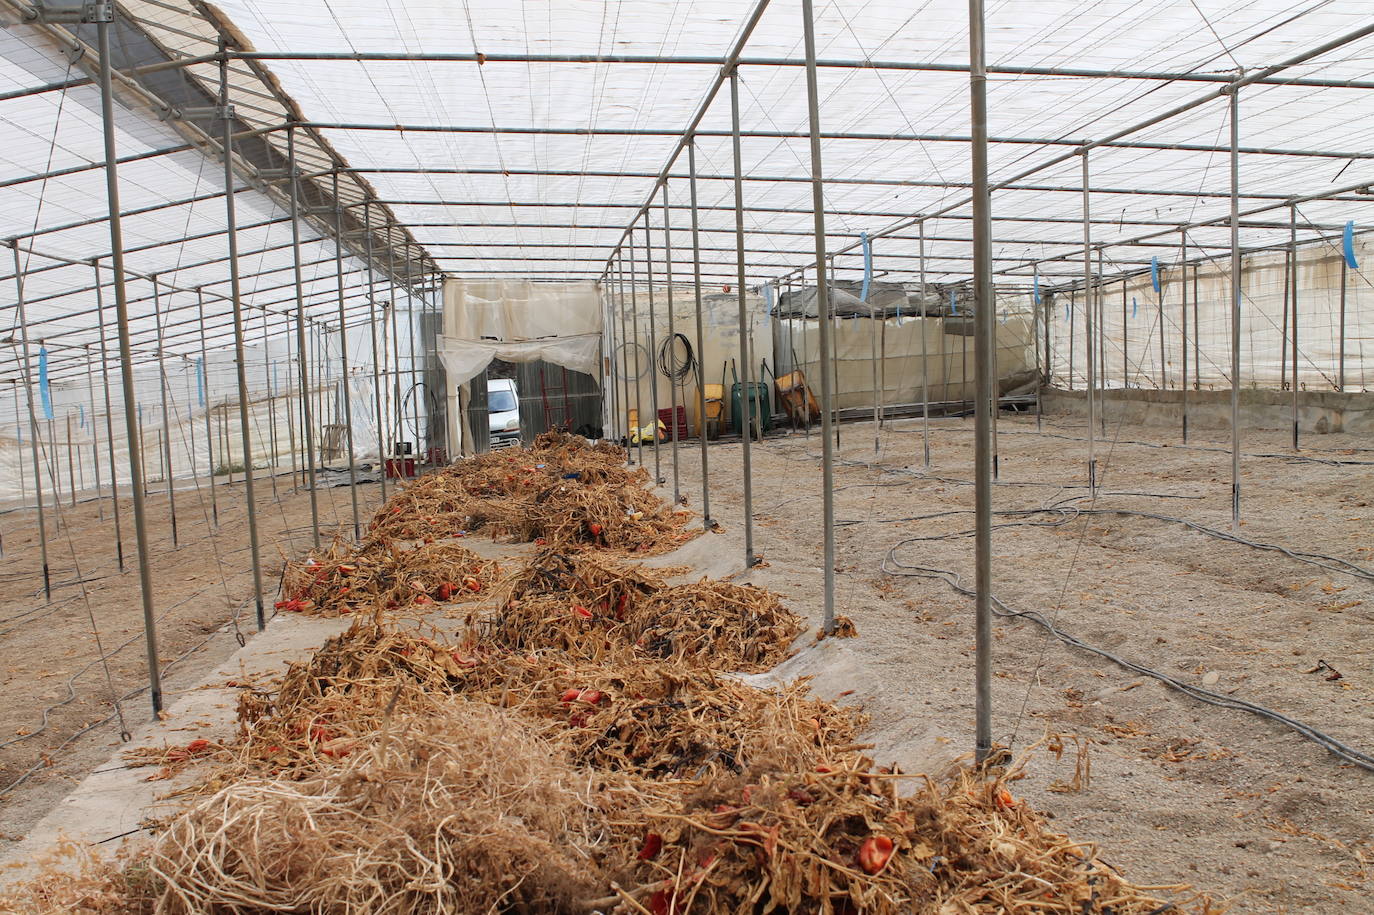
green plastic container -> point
(763, 409)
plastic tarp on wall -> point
(519, 321)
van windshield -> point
(500, 401)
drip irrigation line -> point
(893, 566)
(668, 363)
(1278, 455)
(41, 764)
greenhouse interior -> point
(630, 456)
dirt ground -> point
(1180, 791)
(56, 714)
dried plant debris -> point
(589, 608)
(562, 491)
(581, 745)
(382, 575)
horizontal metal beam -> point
(802, 179)
(842, 135)
(790, 62)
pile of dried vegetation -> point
(582, 745)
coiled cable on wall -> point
(668, 362)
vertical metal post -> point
(109, 413)
(343, 360)
(302, 349)
(670, 344)
(166, 416)
(706, 521)
(823, 321)
(1235, 309)
(33, 422)
(1100, 317)
(1293, 278)
(925, 364)
(271, 407)
(205, 383)
(1340, 337)
(290, 405)
(1049, 361)
(376, 358)
(1125, 338)
(873, 363)
(639, 371)
(145, 577)
(414, 393)
(231, 234)
(1088, 299)
(95, 434)
(611, 385)
(746, 392)
(982, 328)
(71, 463)
(397, 413)
(624, 351)
(652, 350)
(1183, 324)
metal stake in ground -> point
(982, 328)
(670, 346)
(654, 367)
(226, 119)
(209, 430)
(126, 366)
(639, 371)
(925, 364)
(1183, 324)
(343, 360)
(1088, 315)
(166, 417)
(109, 414)
(747, 391)
(33, 422)
(706, 521)
(376, 357)
(1235, 309)
(823, 321)
(307, 420)
(1293, 278)
(95, 434)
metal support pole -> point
(397, 417)
(611, 385)
(873, 364)
(290, 406)
(33, 422)
(982, 328)
(205, 383)
(671, 338)
(126, 367)
(1293, 278)
(624, 351)
(1340, 339)
(343, 363)
(95, 434)
(925, 364)
(747, 393)
(271, 408)
(639, 370)
(823, 322)
(109, 415)
(231, 235)
(71, 463)
(706, 521)
(1235, 309)
(652, 349)
(302, 349)
(376, 357)
(1100, 317)
(414, 392)
(1088, 299)
(166, 416)
(1183, 323)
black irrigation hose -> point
(1295, 458)
(668, 362)
(893, 566)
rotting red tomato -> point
(582, 611)
(874, 854)
(653, 844)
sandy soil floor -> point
(1180, 791)
(56, 714)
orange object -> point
(874, 854)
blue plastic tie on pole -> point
(1135, 307)
(1154, 273)
(200, 380)
(953, 304)
(767, 302)
(43, 391)
(1348, 245)
(1035, 287)
(868, 265)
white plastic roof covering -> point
(511, 216)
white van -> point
(503, 408)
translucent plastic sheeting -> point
(1133, 314)
(496, 204)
